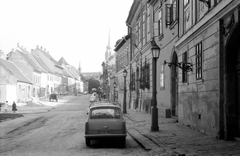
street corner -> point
(9, 116)
(12, 121)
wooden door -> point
(174, 87)
(237, 97)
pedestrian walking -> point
(14, 107)
(6, 107)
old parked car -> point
(53, 96)
(105, 121)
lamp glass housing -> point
(125, 73)
(155, 51)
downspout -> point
(130, 69)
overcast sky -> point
(74, 29)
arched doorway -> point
(174, 85)
(232, 84)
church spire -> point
(109, 39)
(79, 68)
(108, 49)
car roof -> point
(104, 104)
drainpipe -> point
(130, 69)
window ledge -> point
(160, 37)
(173, 24)
(200, 81)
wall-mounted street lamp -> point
(185, 66)
(125, 91)
(206, 2)
(155, 55)
(114, 86)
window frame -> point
(184, 72)
(144, 25)
(171, 17)
(199, 60)
(160, 22)
(162, 77)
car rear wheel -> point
(88, 141)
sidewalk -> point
(174, 138)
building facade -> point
(198, 68)
(208, 96)
(139, 22)
(122, 49)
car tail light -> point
(124, 127)
(86, 127)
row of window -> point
(55, 78)
(192, 12)
(143, 79)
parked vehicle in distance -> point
(85, 92)
(53, 96)
(105, 121)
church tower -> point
(79, 68)
(108, 49)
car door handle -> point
(105, 127)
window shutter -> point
(168, 14)
(155, 27)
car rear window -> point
(105, 113)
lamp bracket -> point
(185, 66)
(206, 2)
(140, 80)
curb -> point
(139, 140)
(143, 141)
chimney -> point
(32, 51)
(44, 49)
(37, 47)
(41, 48)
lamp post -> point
(155, 55)
(114, 86)
(125, 90)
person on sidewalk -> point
(6, 107)
(14, 107)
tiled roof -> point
(67, 72)
(63, 61)
(36, 62)
(30, 61)
(49, 56)
(42, 63)
(74, 72)
(15, 71)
